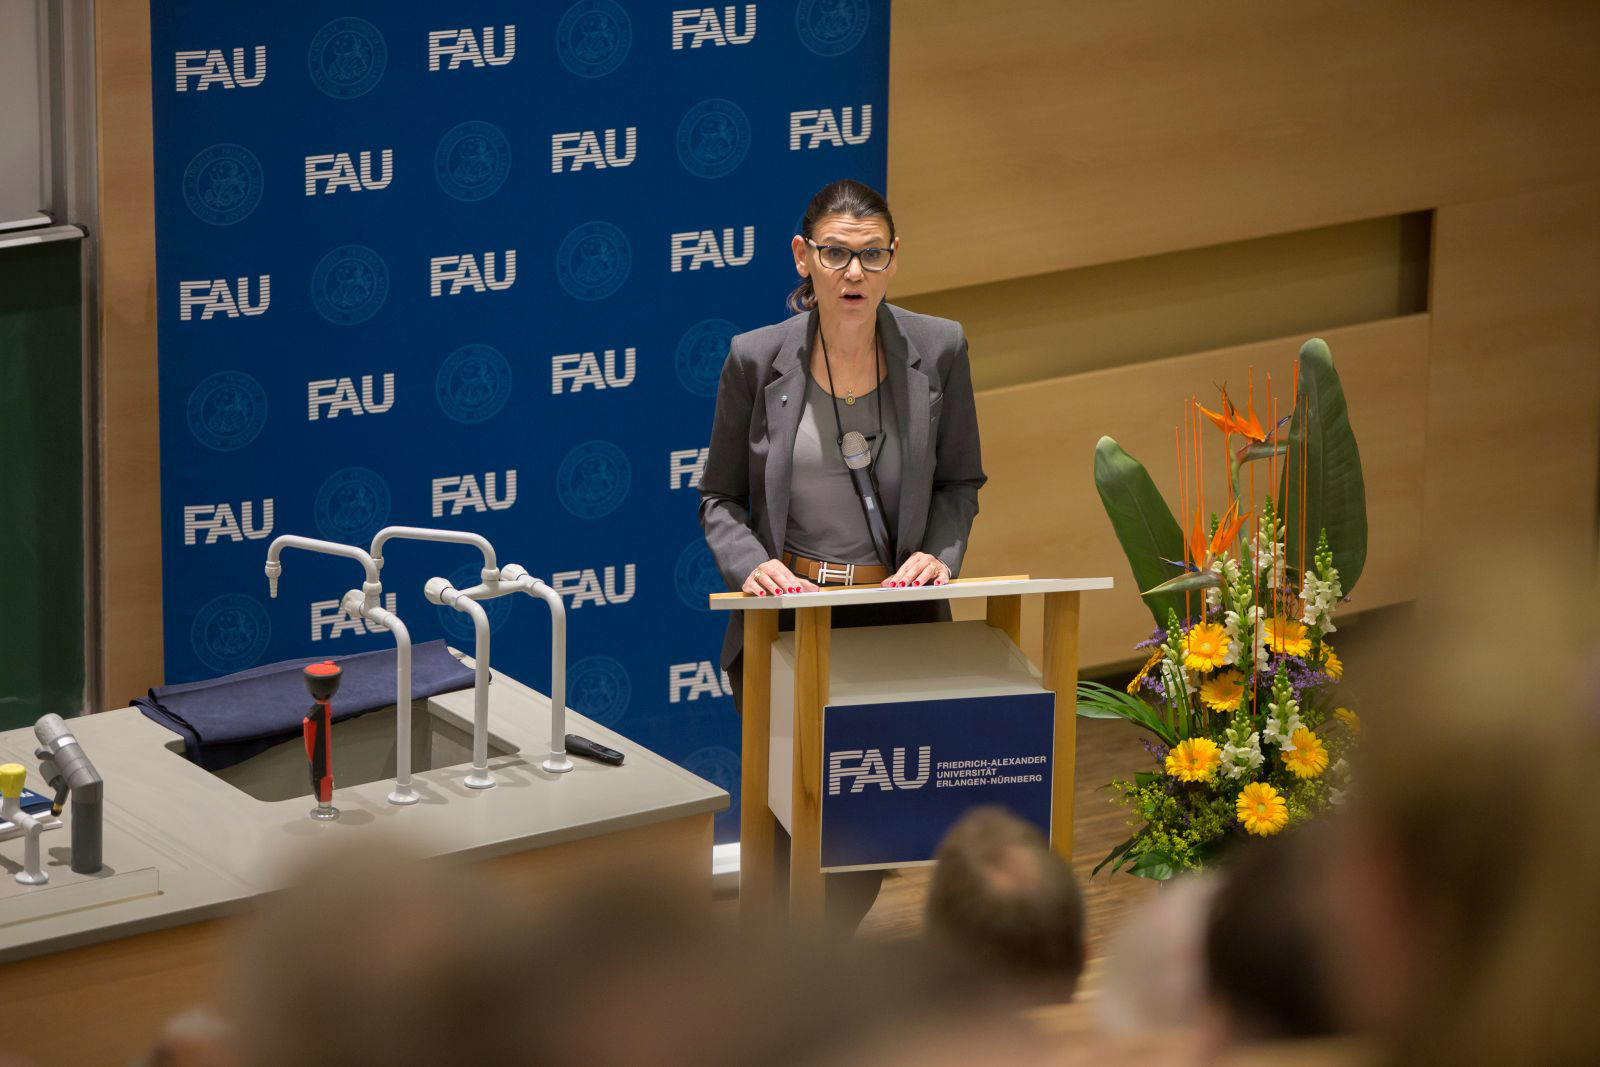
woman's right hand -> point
(773, 578)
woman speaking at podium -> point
(849, 402)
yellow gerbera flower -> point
(1261, 809)
(1194, 760)
(1351, 720)
(1332, 663)
(1286, 637)
(1207, 647)
(1138, 679)
(1223, 691)
(1310, 755)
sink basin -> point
(363, 751)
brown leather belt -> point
(835, 573)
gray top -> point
(825, 517)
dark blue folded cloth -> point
(227, 720)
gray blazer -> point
(744, 491)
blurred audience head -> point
(377, 958)
(1000, 898)
(1460, 902)
(1155, 975)
(1264, 965)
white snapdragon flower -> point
(1340, 773)
(1282, 721)
(1214, 594)
(1260, 616)
(1241, 758)
(1320, 597)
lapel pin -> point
(784, 399)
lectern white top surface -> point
(959, 589)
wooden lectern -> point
(809, 658)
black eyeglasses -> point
(838, 257)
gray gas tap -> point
(67, 770)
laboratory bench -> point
(189, 852)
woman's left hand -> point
(920, 569)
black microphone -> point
(858, 458)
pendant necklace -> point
(877, 366)
(850, 394)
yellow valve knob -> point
(11, 778)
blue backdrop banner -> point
(477, 267)
(899, 775)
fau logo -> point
(463, 49)
(584, 369)
(462, 273)
(700, 25)
(701, 248)
(212, 68)
(823, 128)
(588, 587)
(685, 466)
(341, 172)
(462, 493)
(214, 297)
(870, 769)
(583, 148)
(702, 679)
(325, 613)
(218, 521)
(339, 394)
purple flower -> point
(1156, 638)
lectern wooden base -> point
(810, 693)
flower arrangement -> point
(1239, 689)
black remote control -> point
(582, 746)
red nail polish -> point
(917, 582)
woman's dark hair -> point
(846, 197)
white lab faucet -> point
(439, 591)
(367, 603)
(515, 579)
(497, 581)
(11, 779)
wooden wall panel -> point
(1114, 314)
(1040, 514)
(1042, 135)
(130, 446)
(1514, 394)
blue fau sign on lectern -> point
(898, 775)
(476, 265)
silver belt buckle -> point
(845, 573)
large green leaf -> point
(1335, 494)
(1157, 866)
(1143, 523)
(1096, 701)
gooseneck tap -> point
(366, 603)
(514, 578)
(358, 604)
(440, 591)
(423, 533)
(480, 778)
(312, 544)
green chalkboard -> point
(41, 482)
